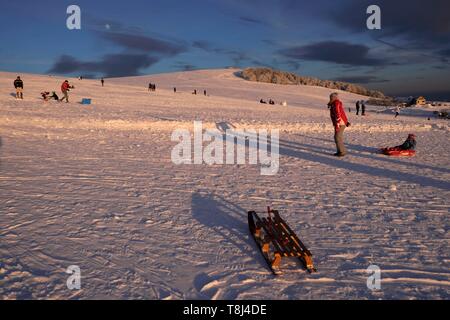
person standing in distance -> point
(18, 85)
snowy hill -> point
(94, 186)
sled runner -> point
(397, 152)
(276, 241)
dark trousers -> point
(339, 140)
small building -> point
(421, 101)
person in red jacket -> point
(65, 90)
(340, 122)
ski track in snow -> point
(94, 186)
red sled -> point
(397, 152)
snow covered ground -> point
(94, 186)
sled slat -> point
(280, 237)
(272, 236)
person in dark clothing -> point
(204, 93)
(18, 85)
(103, 82)
(149, 87)
(154, 87)
(363, 108)
(45, 95)
(397, 111)
(54, 96)
(174, 89)
(409, 144)
(195, 92)
(358, 107)
(340, 122)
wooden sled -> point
(277, 241)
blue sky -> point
(410, 55)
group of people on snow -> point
(360, 106)
(195, 92)
(340, 123)
(65, 88)
(271, 102)
(102, 81)
(335, 105)
(151, 87)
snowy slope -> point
(94, 186)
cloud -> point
(184, 66)
(210, 47)
(99, 24)
(291, 64)
(143, 43)
(361, 79)
(335, 52)
(445, 53)
(236, 56)
(252, 21)
(111, 65)
(269, 42)
(140, 51)
(202, 44)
